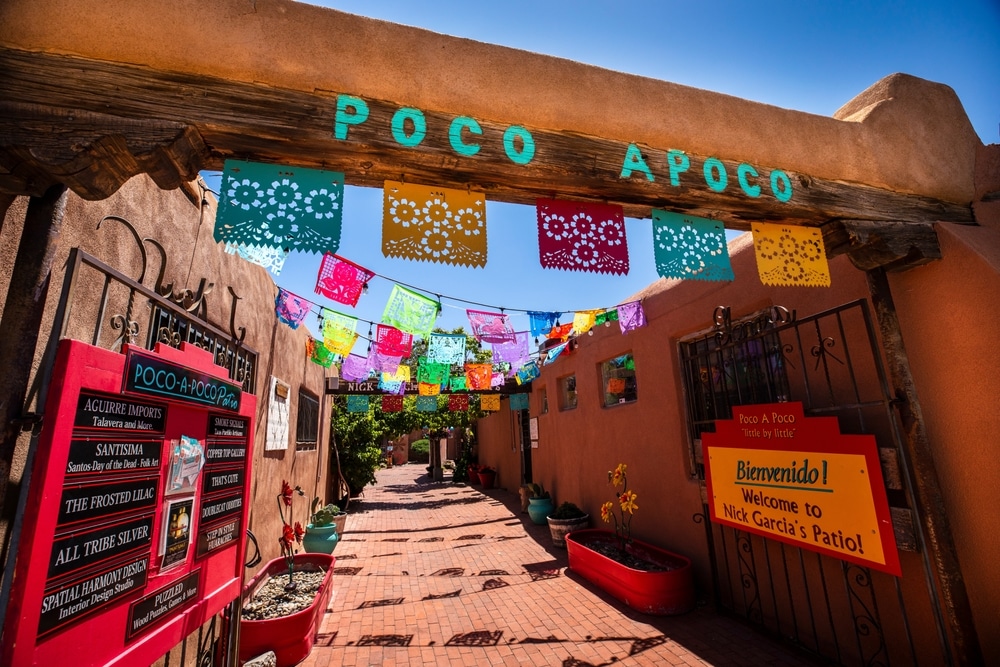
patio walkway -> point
(443, 574)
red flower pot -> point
(474, 475)
(487, 478)
(290, 637)
(660, 593)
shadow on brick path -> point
(435, 573)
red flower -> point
(286, 493)
(287, 536)
(299, 532)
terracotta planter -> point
(658, 593)
(340, 521)
(474, 475)
(487, 478)
(290, 637)
(561, 527)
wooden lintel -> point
(135, 106)
(894, 246)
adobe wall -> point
(578, 447)
(186, 233)
(498, 447)
(903, 134)
(949, 322)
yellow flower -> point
(606, 511)
(619, 475)
(628, 502)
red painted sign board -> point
(133, 534)
(772, 471)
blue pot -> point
(539, 509)
(320, 539)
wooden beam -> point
(894, 246)
(94, 124)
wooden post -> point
(939, 545)
(22, 319)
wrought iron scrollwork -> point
(728, 331)
(168, 336)
(129, 327)
(129, 330)
(748, 576)
(238, 339)
(193, 301)
(823, 350)
(135, 235)
(867, 624)
(786, 350)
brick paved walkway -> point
(444, 574)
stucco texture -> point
(948, 322)
(185, 231)
(949, 318)
(903, 133)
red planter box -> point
(290, 637)
(657, 593)
(487, 478)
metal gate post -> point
(938, 542)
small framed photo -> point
(176, 537)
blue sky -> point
(807, 56)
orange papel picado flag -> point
(790, 256)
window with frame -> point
(567, 392)
(545, 401)
(721, 373)
(307, 422)
(618, 380)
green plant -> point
(537, 491)
(568, 511)
(626, 505)
(420, 450)
(466, 459)
(359, 455)
(322, 516)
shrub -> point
(568, 511)
(420, 450)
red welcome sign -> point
(775, 472)
(133, 532)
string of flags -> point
(266, 211)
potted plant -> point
(322, 535)
(646, 578)
(284, 603)
(473, 471)
(285, 622)
(539, 504)
(487, 476)
(565, 519)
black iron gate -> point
(101, 305)
(831, 363)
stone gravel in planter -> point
(273, 601)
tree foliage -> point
(360, 435)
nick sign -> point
(772, 471)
